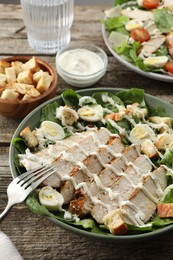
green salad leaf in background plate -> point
(140, 42)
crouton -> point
(114, 116)
(17, 65)
(39, 74)
(165, 210)
(164, 122)
(135, 110)
(148, 148)
(26, 97)
(3, 79)
(113, 220)
(9, 94)
(29, 137)
(10, 74)
(22, 88)
(33, 92)
(163, 141)
(31, 65)
(4, 64)
(44, 83)
(25, 77)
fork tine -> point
(28, 175)
(40, 180)
(47, 171)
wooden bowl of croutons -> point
(25, 83)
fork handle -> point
(5, 211)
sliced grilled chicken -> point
(146, 197)
(93, 164)
(123, 186)
(168, 4)
(129, 154)
(169, 42)
(138, 14)
(140, 206)
(80, 151)
(152, 45)
(47, 155)
(118, 165)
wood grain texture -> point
(36, 237)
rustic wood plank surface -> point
(36, 237)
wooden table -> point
(35, 237)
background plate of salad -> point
(139, 34)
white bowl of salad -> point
(112, 150)
(139, 34)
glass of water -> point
(48, 23)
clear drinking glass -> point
(48, 23)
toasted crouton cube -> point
(22, 88)
(163, 141)
(3, 79)
(17, 66)
(39, 74)
(2, 83)
(148, 148)
(164, 123)
(9, 94)
(29, 137)
(26, 97)
(165, 210)
(10, 74)
(25, 77)
(114, 116)
(135, 110)
(31, 65)
(33, 92)
(44, 83)
(4, 64)
(113, 220)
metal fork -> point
(19, 189)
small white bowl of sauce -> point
(81, 65)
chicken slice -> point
(168, 4)
(66, 162)
(152, 45)
(93, 164)
(122, 187)
(138, 14)
(143, 201)
(141, 204)
(33, 160)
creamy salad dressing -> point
(113, 196)
(81, 62)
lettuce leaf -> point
(71, 98)
(131, 96)
(167, 158)
(163, 20)
(98, 97)
(115, 22)
(120, 2)
(48, 112)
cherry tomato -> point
(169, 66)
(151, 4)
(140, 35)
